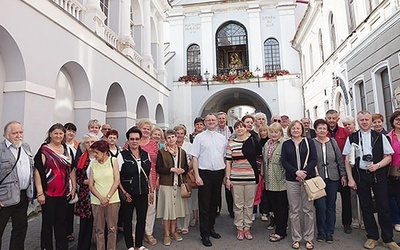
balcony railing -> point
(110, 36)
(223, 71)
(73, 7)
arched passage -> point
(12, 69)
(116, 110)
(233, 97)
(142, 108)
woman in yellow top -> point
(103, 182)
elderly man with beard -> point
(16, 179)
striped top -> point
(241, 170)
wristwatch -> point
(108, 196)
(227, 178)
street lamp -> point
(257, 70)
(207, 76)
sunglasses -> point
(277, 120)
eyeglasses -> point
(107, 129)
(134, 139)
(277, 120)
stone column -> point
(255, 43)
(288, 29)
(94, 17)
(147, 62)
(161, 67)
(127, 43)
(207, 52)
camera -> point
(368, 158)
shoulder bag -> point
(186, 189)
(315, 187)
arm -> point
(285, 156)
(228, 183)
(351, 183)
(384, 162)
(72, 176)
(195, 161)
(103, 200)
(39, 189)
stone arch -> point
(12, 69)
(225, 99)
(117, 109)
(142, 108)
(137, 26)
(160, 117)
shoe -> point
(320, 237)
(329, 238)
(185, 231)
(296, 245)
(362, 226)
(253, 218)
(264, 217)
(176, 236)
(275, 237)
(271, 224)
(232, 215)
(309, 245)
(167, 241)
(193, 222)
(248, 235)
(240, 235)
(150, 239)
(142, 248)
(370, 244)
(347, 229)
(355, 225)
(206, 241)
(391, 245)
(214, 234)
(70, 238)
(397, 227)
(178, 230)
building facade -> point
(214, 42)
(349, 53)
(75, 60)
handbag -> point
(191, 179)
(315, 187)
(186, 190)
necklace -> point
(57, 148)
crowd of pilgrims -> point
(124, 188)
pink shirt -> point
(396, 148)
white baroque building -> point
(350, 53)
(75, 60)
(225, 37)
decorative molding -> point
(30, 87)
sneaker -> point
(253, 218)
(150, 239)
(320, 238)
(397, 227)
(391, 245)
(264, 217)
(371, 244)
(176, 236)
(167, 241)
(329, 238)
(240, 235)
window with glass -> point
(193, 60)
(232, 51)
(104, 5)
(387, 93)
(272, 55)
(361, 95)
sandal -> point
(240, 235)
(296, 245)
(185, 231)
(309, 245)
(70, 238)
(275, 237)
(142, 248)
(248, 235)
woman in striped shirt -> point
(241, 172)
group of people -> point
(263, 168)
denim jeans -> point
(326, 208)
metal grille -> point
(231, 34)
